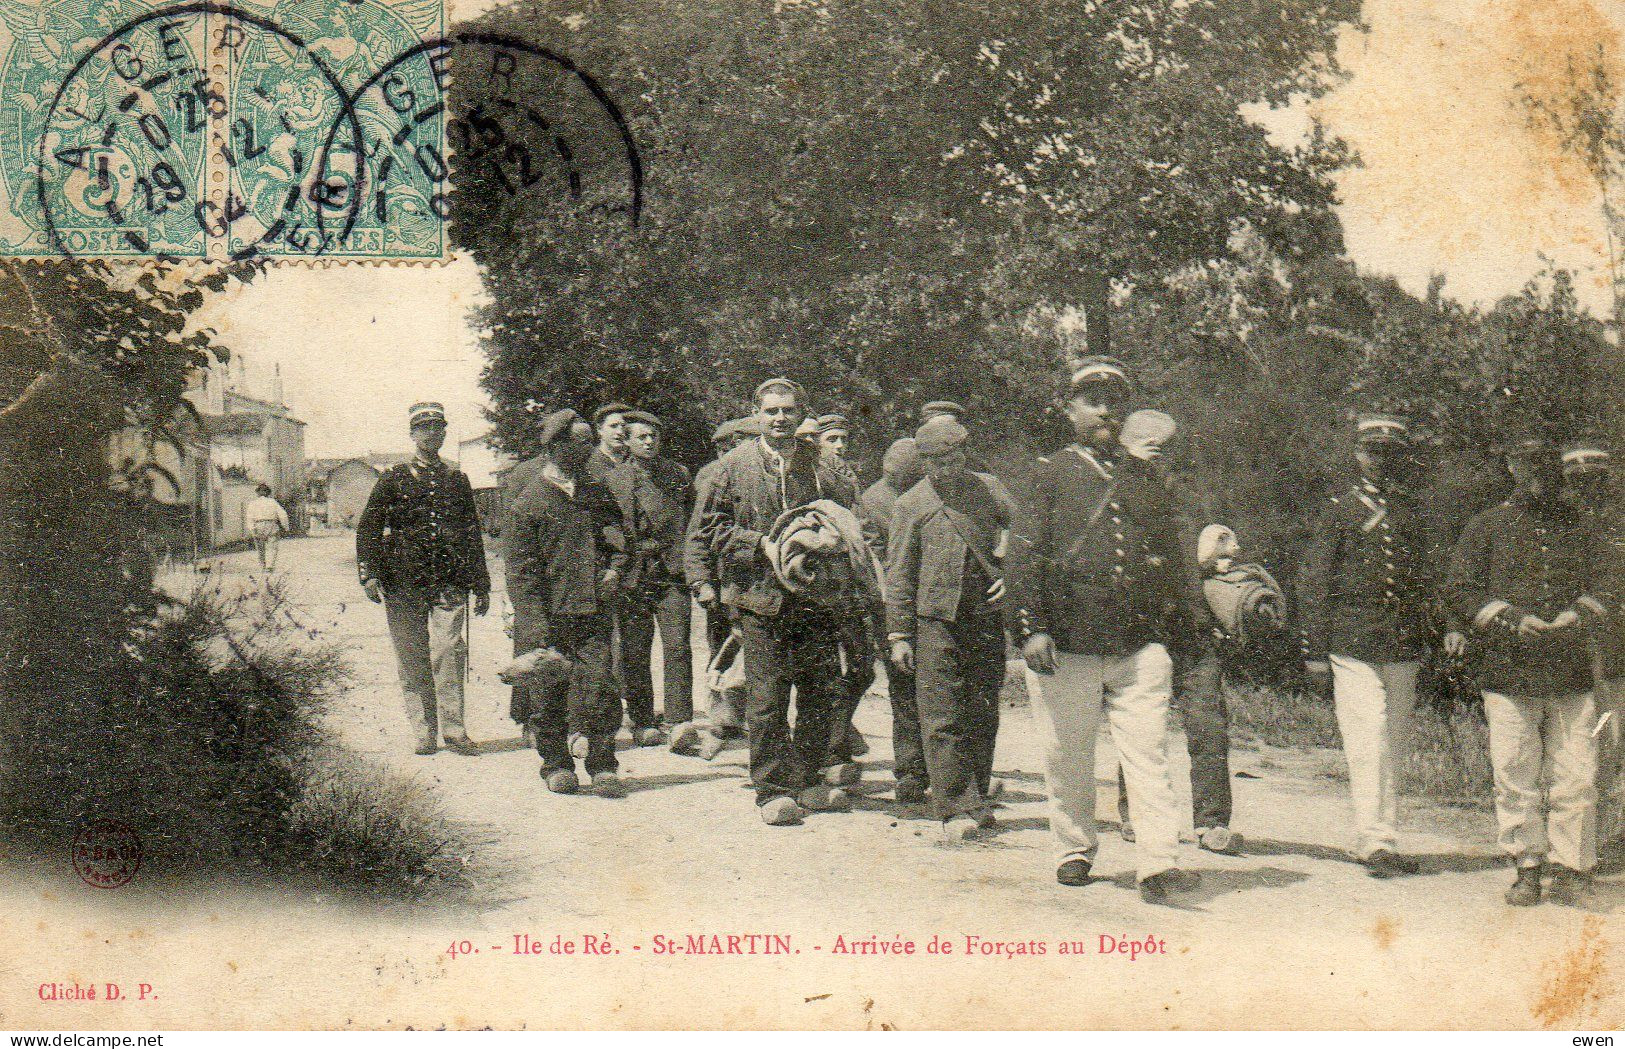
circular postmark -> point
(197, 130)
(106, 853)
(508, 122)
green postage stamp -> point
(222, 131)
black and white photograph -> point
(812, 515)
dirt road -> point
(1288, 934)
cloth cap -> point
(725, 432)
(1207, 544)
(1586, 457)
(1099, 369)
(808, 427)
(939, 435)
(612, 408)
(646, 418)
(426, 412)
(931, 409)
(1146, 428)
(747, 427)
(833, 421)
(1377, 428)
(903, 457)
(784, 384)
(556, 427)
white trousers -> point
(1611, 763)
(1132, 693)
(1374, 702)
(1545, 740)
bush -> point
(363, 826)
(1281, 718)
(1450, 753)
(1450, 759)
(206, 742)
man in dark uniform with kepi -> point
(1591, 488)
(1368, 592)
(1528, 585)
(1094, 573)
(944, 584)
(419, 551)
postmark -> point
(199, 130)
(106, 853)
(524, 130)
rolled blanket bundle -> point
(536, 665)
(818, 551)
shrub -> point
(1450, 758)
(364, 826)
(1281, 718)
(206, 742)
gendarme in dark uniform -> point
(419, 550)
(1368, 596)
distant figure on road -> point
(266, 521)
(418, 550)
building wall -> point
(285, 462)
(348, 486)
(234, 495)
(481, 462)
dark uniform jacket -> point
(1611, 645)
(928, 560)
(1368, 586)
(1093, 563)
(751, 488)
(420, 529)
(1514, 560)
(558, 546)
(655, 501)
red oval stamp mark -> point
(106, 853)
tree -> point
(876, 197)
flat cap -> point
(1099, 369)
(939, 435)
(931, 409)
(725, 431)
(1585, 457)
(749, 426)
(612, 408)
(426, 412)
(902, 457)
(808, 427)
(1380, 428)
(1146, 428)
(833, 421)
(646, 418)
(783, 385)
(556, 427)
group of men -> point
(938, 571)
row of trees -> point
(894, 200)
